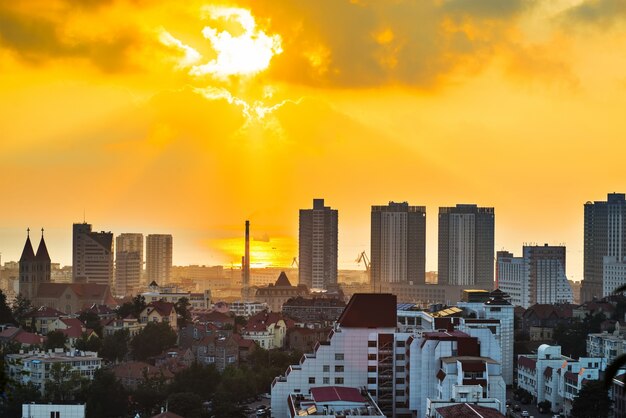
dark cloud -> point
(362, 44)
(37, 39)
(597, 11)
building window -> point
(339, 356)
(326, 368)
(400, 343)
(400, 381)
(399, 369)
(371, 343)
(339, 380)
(311, 380)
(339, 369)
(371, 380)
(400, 357)
(326, 380)
(371, 356)
(399, 392)
(371, 369)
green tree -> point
(185, 404)
(55, 339)
(91, 321)
(139, 304)
(21, 306)
(18, 394)
(592, 401)
(197, 378)
(152, 340)
(182, 310)
(6, 316)
(223, 406)
(150, 395)
(105, 396)
(115, 346)
(126, 309)
(64, 384)
(88, 342)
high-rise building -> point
(605, 236)
(398, 244)
(536, 277)
(466, 246)
(92, 255)
(318, 246)
(128, 263)
(34, 269)
(158, 258)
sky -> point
(190, 117)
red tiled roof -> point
(163, 308)
(44, 312)
(528, 363)
(29, 338)
(72, 322)
(10, 332)
(548, 372)
(468, 411)
(242, 342)
(441, 374)
(370, 310)
(473, 365)
(336, 393)
(72, 332)
(262, 320)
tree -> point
(185, 404)
(224, 407)
(197, 378)
(64, 384)
(88, 342)
(592, 401)
(182, 310)
(105, 396)
(21, 306)
(115, 346)
(55, 339)
(152, 340)
(18, 394)
(125, 309)
(139, 304)
(149, 395)
(91, 321)
(6, 316)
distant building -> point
(318, 246)
(172, 294)
(333, 402)
(466, 246)
(159, 311)
(158, 258)
(267, 329)
(618, 395)
(536, 277)
(398, 244)
(92, 255)
(246, 308)
(128, 263)
(132, 373)
(313, 309)
(73, 297)
(607, 345)
(32, 410)
(34, 269)
(605, 236)
(280, 292)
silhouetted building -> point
(92, 255)
(318, 246)
(605, 236)
(466, 246)
(128, 263)
(398, 244)
(274, 295)
(313, 309)
(158, 258)
(34, 268)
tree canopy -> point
(152, 340)
(592, 401)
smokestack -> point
(246, 266)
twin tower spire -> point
(42, 251)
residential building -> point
(371, 348)
(317, 246)
(172, 294)
(547, 316)
(34, 269)
(129, 324)
(280, 292)
(92, 255)
(466, 246)
(246, 308)
(220, 350)
(613, 274)
(267, 329)
(33, 367)
(25, 339)
(40, 319)
(604, 236)
(159, 311)
(314, 309)
(304, 339)
(333, 402)
(551, 376)
(398, 245)
(33, 410)
(158, 258)
(618, 395)
(536, 277)
(128, 263)
(606, 345)
(132, 373)
(73, 297)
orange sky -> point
(190, 117)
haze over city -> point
(189, 118)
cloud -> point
(598, 12)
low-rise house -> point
(547, 316)
(246, 347)
(34, 366)
(41, 319)
(219, 350)
(607, 345)
(24, 338)
(593, 308)
(103, 311)
(130, 324)
(268, 329)
(551, 376)
(243, 308)
(174, 359)
(132, 373)
(159, 312)
(304, 339)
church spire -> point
(42, 250)
(27, 253)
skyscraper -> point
(318, 246)
(128, 263)
(92, 255)
(158, 258)
(605, 236)
(466, 246)
(34, 268)
(398, 244)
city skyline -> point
(511, 105)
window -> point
(311, 380)
(326, 368)
(326, 381)
(371, 369)
(399, 392)
(371, 356)
(339, 369)
(400, 343)
(400, 357)
(339, 356)
(399, 369)
(371, 343)
(339, 380)
(400, 381)
(371, 380)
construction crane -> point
(365, 259)
(295, 261)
